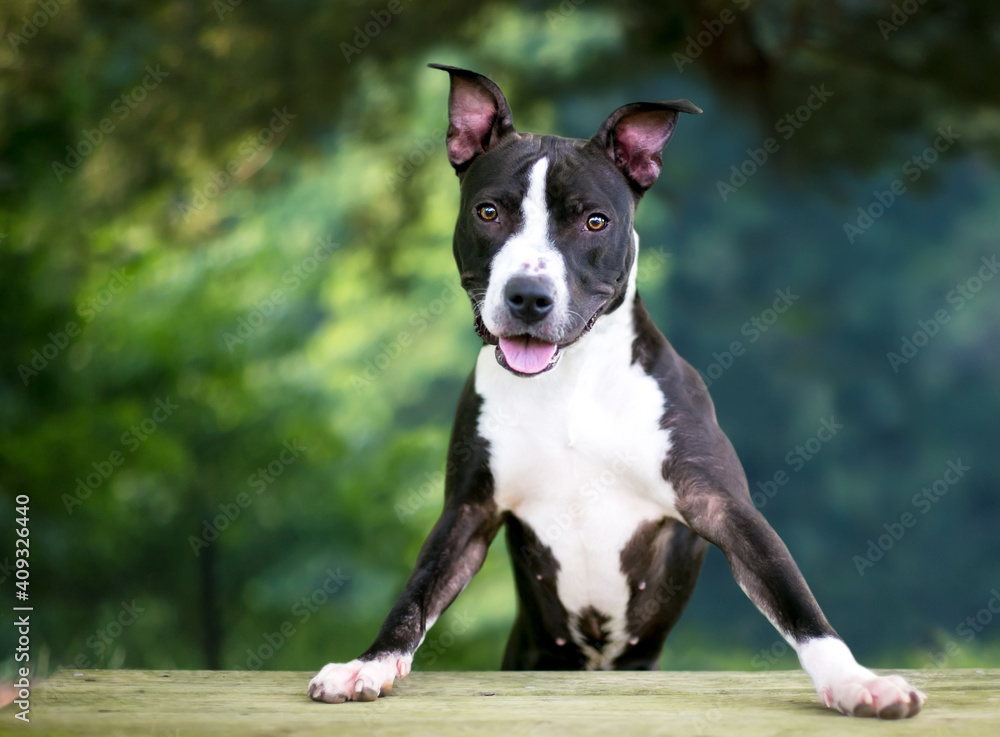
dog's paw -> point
(359, 680)
(852, 689)
(885, 697)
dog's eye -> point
(487, 212)
(597, 222)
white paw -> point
(849, 688)
(359, 680)
(885, 697)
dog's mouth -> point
(528, 355)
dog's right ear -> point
(478, 116)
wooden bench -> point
(173, 703)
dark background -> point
(171, 338)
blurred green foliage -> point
(228, 309)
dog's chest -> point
(577, 456)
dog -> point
(583, 432)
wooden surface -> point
(193, 703)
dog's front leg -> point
(452, 554)
(764, 569)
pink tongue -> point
(526, 354)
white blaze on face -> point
(529, 252)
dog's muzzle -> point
(527, 348)
(529, 300)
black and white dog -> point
(583, 431)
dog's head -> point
(544, 241)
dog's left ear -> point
(634, 135)
(478, 116)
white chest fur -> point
(577, 453)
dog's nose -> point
(529, 300)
